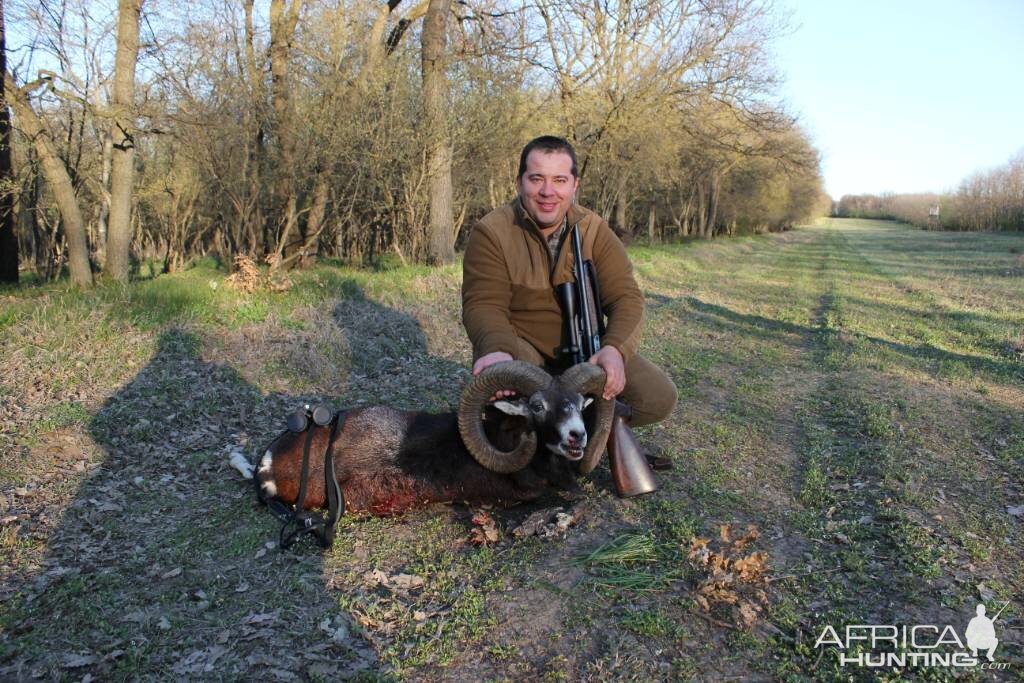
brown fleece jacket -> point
(508, 283)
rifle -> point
(581, 303)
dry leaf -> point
(486, 531)
(699, 549)
(752, 535)
(731, 580)
(261, 618)
(406, 581)
(376, 578)
(748, 613)
(73, 661)
(531, 525)
(752, 567)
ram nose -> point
(575, 442)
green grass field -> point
(854, 390)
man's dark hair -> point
(548, 144)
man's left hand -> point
(610, 360)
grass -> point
(855, 390)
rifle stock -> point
(630, 471)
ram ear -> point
(516, 407)
(587, 400)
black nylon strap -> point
(310, 522)
(304, 480)
(335, 497)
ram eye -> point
(537, 406)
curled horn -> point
(518, 376)
(589, 380)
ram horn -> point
(589, 380)
(518, 376)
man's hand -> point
(488, 360)
(610, 360)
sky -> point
(907, 95)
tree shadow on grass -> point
(940, 360)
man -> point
(520, 252)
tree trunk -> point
(122, 167)
(60, 182)
(700, 216)
(8, 232)
(282, 31)
(652, 218)
(439, 164)
(713, 205)
(250, 215)
(315, 220)
(621, 202)
(100, 248)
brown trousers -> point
(649, 391)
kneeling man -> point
(517, 255)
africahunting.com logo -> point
(888, 645)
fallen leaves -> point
(75, 661)
(403, 582)
(731, 578)
(248, 278)
(200, 661)
(486, 531)
(336, 628)
(261, 618)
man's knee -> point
(524, 351)
(649, 391)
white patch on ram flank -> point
(266, 462)
(266, 465)
(242, 464)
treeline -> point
(987, 200)
(358, 130)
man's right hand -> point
(488, 360)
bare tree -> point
(439, 146)
(283, 20)
(315, 128)
(56, 175)
(8, 234)
(122, 170)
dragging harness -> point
(294, 520)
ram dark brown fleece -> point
(388, 460)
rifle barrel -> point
(590, 342)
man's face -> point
(547, 187)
